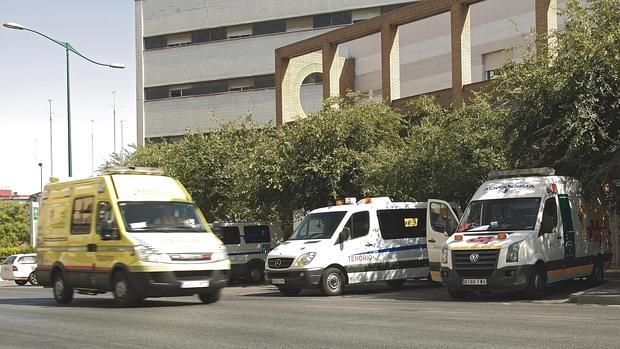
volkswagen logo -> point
(278, 263)
(473, 258)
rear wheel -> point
(289, 291)
(457, 294)
(32, 279)
(537, 283)
(255, 273)
(332, 282)
(395, 284)
(210, 297)
(21, 282)
(598, 273)
(63, 292)
(124, 294)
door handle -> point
(432, 240)
(559, 237)
(91, 247)
(368, 244)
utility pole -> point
(92, 146)
(51, 143)
(114, 118)
(122, 141)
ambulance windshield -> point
(318, 226)
(161, 217)
(500, 214)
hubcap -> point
(333, 282)
(59, 287)
(121, 289)
(255, 274)
(33, 278)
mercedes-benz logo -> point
(278, 263)
(473, 258)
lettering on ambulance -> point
(567, 227)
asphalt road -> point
(370, 316)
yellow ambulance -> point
(130, 231)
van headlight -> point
(305, 259)
(220, 254)
(149, 254)
(443, 258)
(512, 255)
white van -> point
(248, 244)
(374, 239)
(522, 230)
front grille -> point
(279, 263)
(193, 275)
(483, 267)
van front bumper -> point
(178, 283)
(306, 278)
(504, 279)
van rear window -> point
(256, 234)
(402, 224)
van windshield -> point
(500, 214)
(161, 217)
(318, 226)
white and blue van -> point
(374, 239)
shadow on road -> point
(92, 303)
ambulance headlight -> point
(149, 254)
(305, 259)
(512, 255)
(220, 254)
(443, 258)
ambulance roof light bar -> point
(132, 170)
(527, 172)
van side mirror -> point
(344, 235)
(106, 226)
(546, 226)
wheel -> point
(21, 282)
(32, 279)
(63, 292)
(396, 284)
(210, 297)
(255, 273)
(332, 282)
(537, 283)
(598, 273)
(124, 294)
(289, 291)
(457, 294)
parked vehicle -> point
(524, 229)
(247, 245)
(374, 239)
(20, 268)
(130, 231)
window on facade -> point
(256, 234)
(228, 235)
(208, 35)
(402, 224)
(359, 223)
(181, 91)
(155, 42)
(156, 92)
(81, 218)
(329, 19)
(269, 27)
(314, 78)
(265, 81)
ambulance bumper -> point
(504, 279)
(307, 278)
(178, 283)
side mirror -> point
(344, 235)
(546, 226)
(106, 227)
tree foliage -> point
(14, 223)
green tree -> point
(564, 108)
(14, 223)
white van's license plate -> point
(277, 281)
(195, 284)
(474, 282)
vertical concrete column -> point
(139, 75)
(461, 49)
(390, 63)
(280, 70)
(329, 80)
(546, 24)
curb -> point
(598, 295)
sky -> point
(33, 71)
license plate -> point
(195, 284)
(277, 281)
(474, 282)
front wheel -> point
(63, 292)
(32, 278)
(210, 297)
(124, 294)
(332, 282)
(537, 282)
(21, 282)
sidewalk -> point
(607, 293)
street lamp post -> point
(68, 47)
(41, 170)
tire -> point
(332, 282)
(255, 273)
(458, 294)
(598, 273)
(211, 297)
(395, 284)
(63, 292)
(124, 293)
(21, 282)
(289, 291)
(32, 279)
(536, 283)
